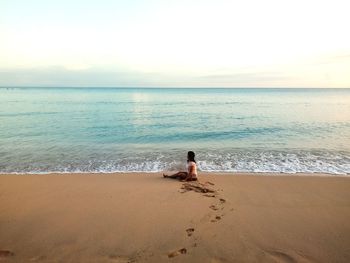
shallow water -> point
(134, 129)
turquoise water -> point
(134, 129)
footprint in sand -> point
(197, 187)
(6, 253)
(214, 207)
(222, 200)
(217, 218)
(209, 195)
(190, 231)
(177, 252)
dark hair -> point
(190, 156)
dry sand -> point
(146, 218)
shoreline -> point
(138, 217)
(274, 174)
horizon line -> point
(160, 87)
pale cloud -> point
(61, 76)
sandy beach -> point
(146, 218)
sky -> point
(175, 43)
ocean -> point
(44, 130)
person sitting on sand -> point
(191, 174)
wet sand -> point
(146, 218)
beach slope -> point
(146, 218)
